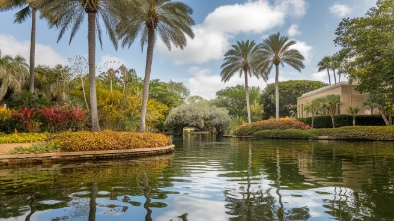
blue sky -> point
(218, 25)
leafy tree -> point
(288, 94)
(275, 50)
(66, 14)
(233, 98)
(313, 107)
(28, 9)
(179, 88)
(195, 99)
(376, 100)
(242, 58)
(170, 20)
(199, 115)
(367, 44)
(13, 72)
(162, 92)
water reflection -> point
(208, 180)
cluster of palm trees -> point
(251, 59)
(123, 20)
(336, 63)
(327, 105)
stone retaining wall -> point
(60, 157)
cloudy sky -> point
(218, 25)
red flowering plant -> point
(61, 118)
(28, 117)
(283, 124)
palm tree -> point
(332, 104)
(242, 59)
(325, 64)
(276, 49)
(20, 17)
(13, 72)
(71, 13)
(170, 20)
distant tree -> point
(13, 73)
(242, 58)
(353, 111)
(332, 104)
(79, 70)
(313, 107)
(195, 99)
(288, 94)
(199, 115)
(276, 50)
(233, 99)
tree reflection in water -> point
(147, 190)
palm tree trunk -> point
(335, 77)
(277, 92)
(247, 96)
(32, 49)
(329, 77)
(92, 70)
(145, 96)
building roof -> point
(326, 88)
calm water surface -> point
(212, 181)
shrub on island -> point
(23, 137)
(271, 124)
(109, 140)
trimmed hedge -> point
(344, 120)
(380, 133)
(287, 134)
(109, 140)
(248, 129)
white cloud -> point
(320, 76)
(212, 37)
(305, 50)
(293, 31)
(340, 10)
(206, 85)
(44, 54)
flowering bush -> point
(271, 124)
(5, 114)
(110, 140)
(61, 118)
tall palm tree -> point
(276, 49)
(172, 21)
(325, 64)
(27, 10)
(71, 13)
(242, 58)
(13, 72)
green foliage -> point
(26, 99)
(344, 120)
(282, 124)
(37, 148)
(289, 91)
(10, 125)
(384, 133)
(235, 122)
(233, 98)
(23, 137)
(109, 140)
(287, 134)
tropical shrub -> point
(344, 120)
(5, 114)
(41, 147)
(29, 118)
(109, 140)
(60, 118)
(271, 124)
(23, 137)
(362, 133)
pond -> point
(234, 179)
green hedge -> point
(344, 120)
(381, 133)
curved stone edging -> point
(59, 157)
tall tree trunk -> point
(329, 77)
(247, 96)
(335, 77)
(148, 66)
(92, 70)
(32, 49)
(277, 92)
